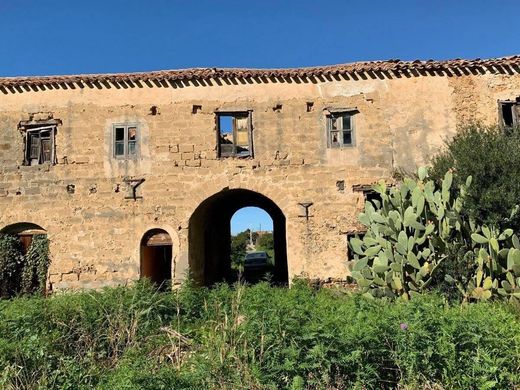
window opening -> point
(40, 145)
(234, 134)
(373, 197)
(340, 129)
(125, 141)
(509, 113)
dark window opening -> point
(373, 197)
(234, 131)
(125, 141)
(40, 145)
(509, 113)
(369, 194)
(340, 128)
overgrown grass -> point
(257, 337)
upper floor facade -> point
(370, 115)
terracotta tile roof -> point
(210, 76)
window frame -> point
(126, 142)
(515, 113)
(34, 132)
(336, 114)
(235, 114)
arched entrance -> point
(24, 253)
(25, 231)
(156, 257)
(210, 236)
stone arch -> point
(25, 231)
(25, 276)
(156, 256)
(209, 235)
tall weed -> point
(254, 337)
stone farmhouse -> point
(138, 174)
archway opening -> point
(210, 255)
(252, 244)
(25, 231)
(24, 255)
(156, 257)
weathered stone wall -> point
(95, 232)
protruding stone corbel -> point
(305, 209)
(133, 184)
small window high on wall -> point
(125, 141)
(509, 113)
(341, 128)
(40, 145)
(234, 132)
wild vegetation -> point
(438, 270)
(491, 156)
(23, 273)
(240, 242)
(418, 226)
(256, 337)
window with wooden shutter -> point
(40, 145)
(509, 113)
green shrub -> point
(257, 337)
(11, 261)
(35, 265)
(492, 157)
(23, 273)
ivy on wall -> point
(11, 260)
(19, 273)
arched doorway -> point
(210, 236)
(24, 255)
(25, 231)
(156, 257)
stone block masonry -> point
(119, 168)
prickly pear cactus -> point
(497, 258)
(408, 235)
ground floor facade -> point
(176, 223)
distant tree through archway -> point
(210, 236)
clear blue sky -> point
(250, 218)
(64, 36)
(44, 37)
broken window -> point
(373, 197)
(509, 113)
(125, 141)
(234, 131)
(340, 129)
(40, 145)
(369, 193)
